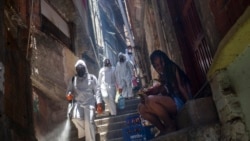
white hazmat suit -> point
(124, 73)
(107, 84)
(85, 91)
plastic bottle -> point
(121, 102)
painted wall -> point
(240, 77)
(230, 78)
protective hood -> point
(82, 63)
(106, 62)
(121, 56)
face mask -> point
(121, 59)
(107, 63)
(80, 70)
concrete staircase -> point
(197, 121)
(109, 128)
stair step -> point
(117, 139)
(106, 136)
(132, 101)
(128, 109)
(113, 119)
(109, 127)
(209, 132)
(131, 106)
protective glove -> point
(99, 108)
(69, 97)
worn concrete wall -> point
(153, 29)
(229, 79)
(232, 45)
(229, 108)
(77, 12)
(37, 69)
(136, 12)
(151, 36)
(17, 118)
(210, 132)
(239, 74)
(49, 71)
(171, 46)
(165, 40)
(52, 65)
(208, 23)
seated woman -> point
(161, 102)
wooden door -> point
(197, 56)
(196, 39)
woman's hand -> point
(142, 96)
(153, 90)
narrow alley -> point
(196, 51)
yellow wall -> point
(233, 55)
(233, 44)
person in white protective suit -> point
(83, 91)
(124, 74)
(107, 84)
